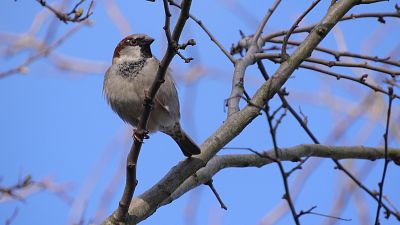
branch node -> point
(190, 42)
(363, 78)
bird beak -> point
(148, 40)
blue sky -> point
(56, 124)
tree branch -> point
(339, 54)
(211, 36)
(67, 17)
(294, 26)
(385, 166)
(242, 64)
(295, 153)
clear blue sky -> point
(57, 125)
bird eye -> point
(130, 41)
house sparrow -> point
(127, 81)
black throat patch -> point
(131, 69)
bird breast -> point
(125, 87)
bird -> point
(126, 84)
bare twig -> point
(371, 1)
(213, 39)
(294, 26)
(141, 132)
(287, 196)
(243, 63)
(339, 54)
(364, 65)
(75, 15)
(297, 116)
(338, 76)
(310, 211)
(43, 52)
(328, 63)
(26, 186)
(385, 166)
(12, 190)
(307, 29)
(10, 219)
(274, 57)
(211, 185)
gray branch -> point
(295, 153)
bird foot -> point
(140, 135)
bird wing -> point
(167, 98)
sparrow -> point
(127, 82)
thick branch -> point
(295, 153)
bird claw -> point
(140, 135)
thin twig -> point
(141, 133)
(287, 195)
(385, 166)
(67, 17)
(43, 52)
(339, 54)
(211, 36)
(279, 120)
(328, 216)
(10, 219)
(309, 28)
(371, 1)
(20, 185)
(338, 76)
(281, 95)
(294, 26)
(362, 80)
(328, 63)
(364, 65)
(211, 185)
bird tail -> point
(186, 144)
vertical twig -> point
(284, 175)
(385, 137)
(141, 132)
